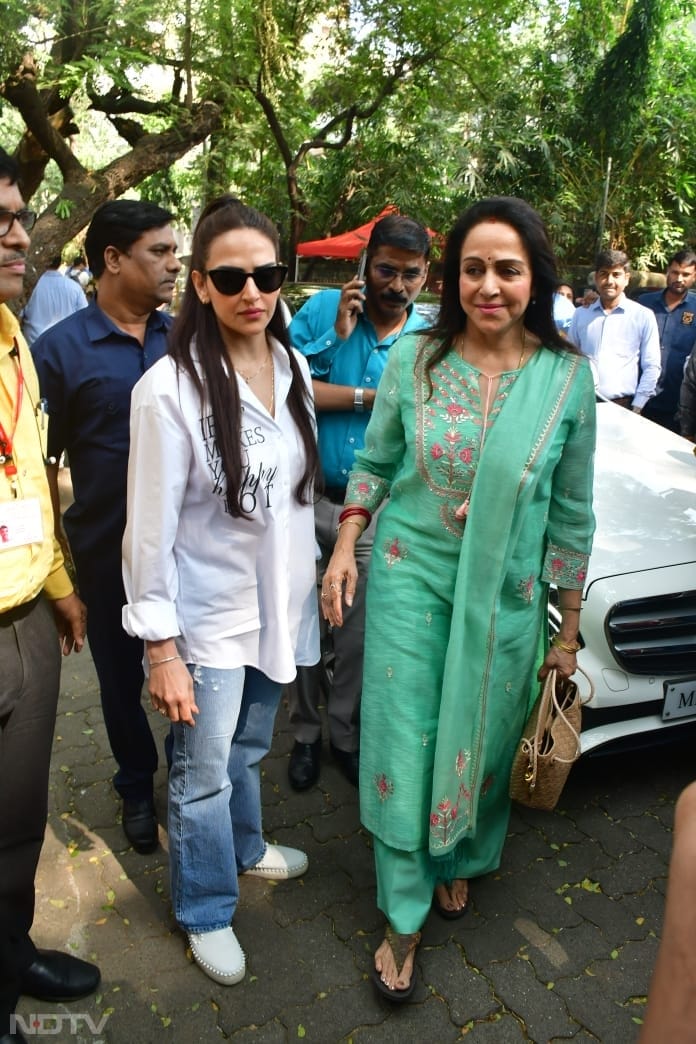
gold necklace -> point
(459, 348)
(254, 375)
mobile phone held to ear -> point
(362, 265)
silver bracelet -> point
(167, 659)
(359, 400)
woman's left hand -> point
(564, 662)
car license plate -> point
(680, 699)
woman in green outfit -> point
(482, 436)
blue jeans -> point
(215, 793)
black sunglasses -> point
(230, 281)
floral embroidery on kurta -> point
(444, 817)
(564, 567)
(394, 551)
(446, 813)
(461, 761)
(451, 433)
(366, 489)
(384, 786)
(526, 588)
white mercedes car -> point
(638, 623)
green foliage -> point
(64, 208)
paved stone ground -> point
(558, 945)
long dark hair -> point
(197, 322)
(538, 317)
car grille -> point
(655, 635)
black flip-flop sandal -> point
(449, 915)
(401, 946)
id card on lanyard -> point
(20, 523)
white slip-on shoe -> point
(279, 863)
(219, 955)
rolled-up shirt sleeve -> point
(312, 332)
(158, 466)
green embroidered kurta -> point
(456, 613)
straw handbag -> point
(549, 745)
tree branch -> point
(20, 90)
(82, 195)
(117, 102)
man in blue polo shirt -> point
(87, 366)
(346, 335)
(675, 311)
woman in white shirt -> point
(219, 562)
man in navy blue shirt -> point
(87, 366)
(675, 311)
(346, 335)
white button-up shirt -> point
(233, 591)
(623, 346)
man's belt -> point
(623, 400)
(18, 612)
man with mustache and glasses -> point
(33, 581)
(346, 335)
(88, 365)
(675, 311)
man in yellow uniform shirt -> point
(36, 596)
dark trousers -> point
(29, 683)
(118, 661)
(343, 703)
(665, 418)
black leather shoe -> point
(140, 824)
(303, 770)
(348, 762)
(56, 976)
(13, 1038)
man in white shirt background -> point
(619, 336)
(54, 297)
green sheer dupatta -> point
(511, 461)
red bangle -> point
(350, 511)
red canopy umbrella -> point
(348, 245)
